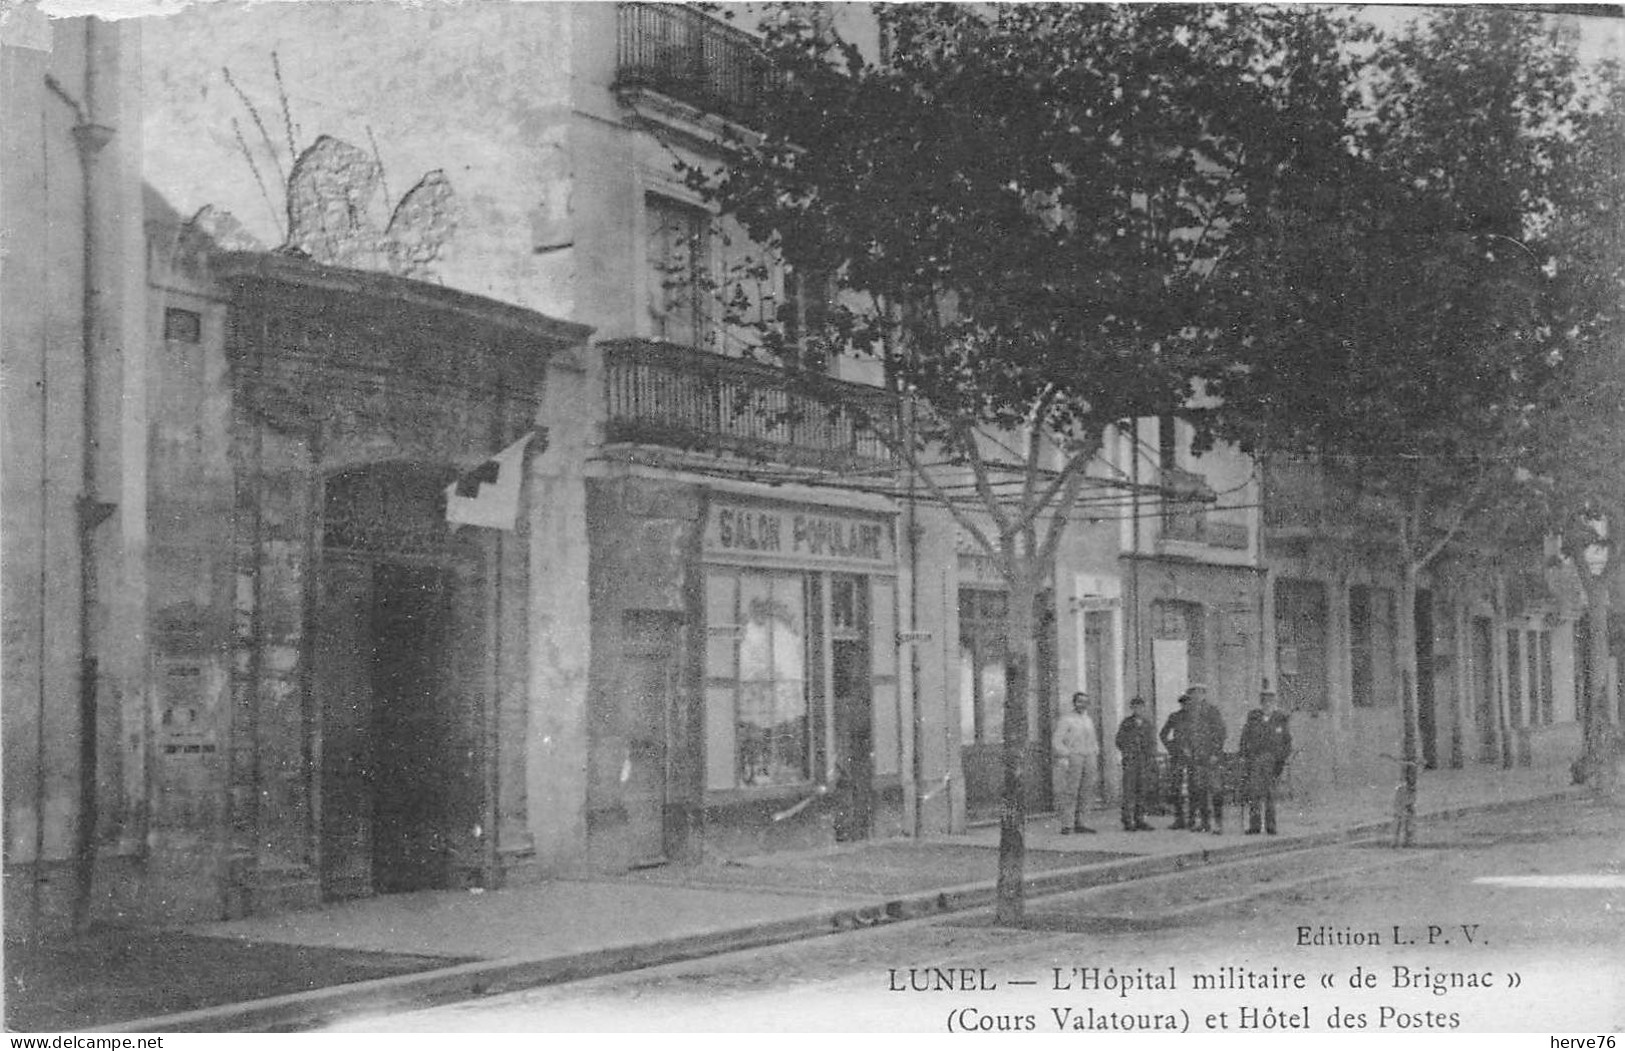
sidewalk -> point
(290, 971)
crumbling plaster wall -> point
(478, 92)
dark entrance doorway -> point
(1483, 679)
(400, 680)
(853, 708)
(414, 790)
(1426, 720)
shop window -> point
(756, 678)
(1174, 623)
(846, 620)
(1300, 654)
(183, 326)
(982, 616)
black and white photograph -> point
(533, 517)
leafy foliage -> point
(1409, 330)
(1025, 203)
(1025, 207)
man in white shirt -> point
(1074, 746)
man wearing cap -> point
(1175, 738)
(1205, 732)
(1074, 745)
(1137, 747)
(1266, 741)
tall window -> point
(1167, 445)
(679, 278)
(756, 671)
(1300, 652)
(982, 617)
(1545, 647)
(1515, 677)
(808, 294)
(1373, 641)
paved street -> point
(1508, 921)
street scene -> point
(1015, 518)
(1547, 880)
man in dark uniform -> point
(1175, 739)
(1137, 747)
(1205, 733)
(1266, 741)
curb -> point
(297, 1011)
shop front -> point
(802, 726)
(745, 674)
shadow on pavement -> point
(884, 869)
(143, 974)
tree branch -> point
(1075, 474)
(1459, 518)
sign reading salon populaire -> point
(795, 535)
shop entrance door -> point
(852, 690)
(649, 676)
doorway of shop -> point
(649, 672)
(853, 706)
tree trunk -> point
(1018, 641)
(1599, 740)
(1410, 732)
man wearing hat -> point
(1137, 747)
(1205, 733)
(1074, 746)
(1266, 741)
(1175, 739)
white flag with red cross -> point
(489, 494)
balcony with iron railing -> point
(1186, 518)
(686, 55)
(663, 394)
(1303, 496)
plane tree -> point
(1571, 464)
(1411, 335)
(1024, 208)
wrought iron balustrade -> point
(1303, 495)
(1186, 496)
(678, 397)
(1197, 528)
(687, 55)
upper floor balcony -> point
(677, 397)
(1186, 518)
(1305, 497)
(690, 57)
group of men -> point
(1193, 737)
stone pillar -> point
(556, 734)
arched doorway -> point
(401, 682)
